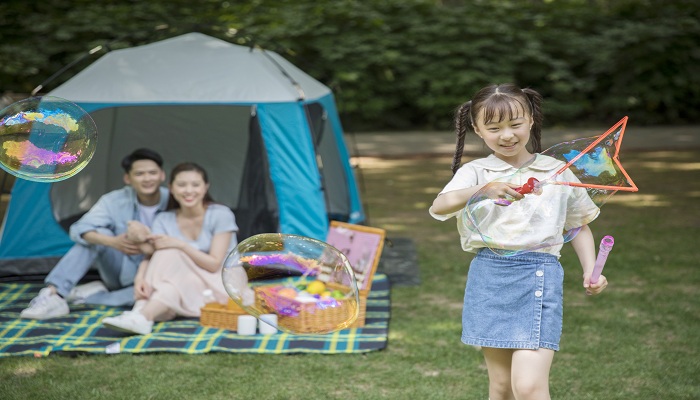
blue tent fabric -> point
(30, 229)
(294, 170)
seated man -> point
(101, 236)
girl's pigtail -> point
(535, 100)
(462, 122)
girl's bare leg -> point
(498, 362)
(530, 374)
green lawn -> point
(640, 339)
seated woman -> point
(188, 244)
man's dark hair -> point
(141, 154)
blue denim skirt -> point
(513, 302)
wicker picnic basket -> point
(324, 315)
(224, 316)
(307, 318)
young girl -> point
(513, 305)
(188, 245)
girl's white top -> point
(525, 224)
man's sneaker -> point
(130, 322)
(46, 305)
(82, 292)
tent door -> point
(333, 178)
(257, 210)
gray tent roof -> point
(192, 68)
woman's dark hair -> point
(497, 100)
(141, 154)
(185, 167)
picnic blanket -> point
(82, 331)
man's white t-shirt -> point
(147, 214)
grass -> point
(640, 339)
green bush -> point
(407, 64)
(402, 64)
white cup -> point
(246, 325)
(268, 324)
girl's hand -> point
(165, 242)
(502, 190)
(594, 288)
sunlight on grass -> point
(446, 326)
(434, 190)
(666, 166)
(676, 156)
(440, 300)
(640, 200)
(380, 163)
(428, 373)
(26, 370)
(396, 227)
(422, 205)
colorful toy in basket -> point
(308, 283)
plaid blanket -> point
(82, 331)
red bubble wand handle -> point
(605, 246)
(530, 186)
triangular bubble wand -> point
(587, 170)
(594, 166)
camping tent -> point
(268, 134)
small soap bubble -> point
(307, 283)
(46, 139)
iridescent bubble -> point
(308, 283)
(46, 139)
(549, 216)
(563, 189)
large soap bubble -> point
(538, 221)
(308, 283)
(563, 189)
(46, 139)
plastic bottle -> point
(208, 295)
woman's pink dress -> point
(175, 279)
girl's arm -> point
(449, 202)
(584, 246)
(211, 261)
